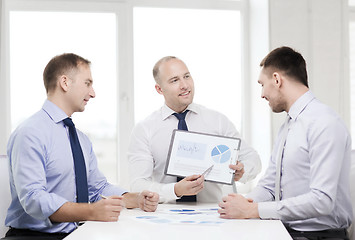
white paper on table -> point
(202, 216)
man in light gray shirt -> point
(306, 184)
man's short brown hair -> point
(61, 65)
(289, 61)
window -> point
(208, 41)
(36, 37)
(123, 40)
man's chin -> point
(187, 103)
(82, 109)
(276, 109)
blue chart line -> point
(181, 210)
(206, 216)
(221, 154)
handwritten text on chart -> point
(191, 150)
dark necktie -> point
(79, 164)
(182, 126)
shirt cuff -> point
(169, 192)
(268, 210)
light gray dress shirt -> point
(149, 145)
(315, 191)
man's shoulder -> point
(207, 111)
(321, 111)
(153, 117)
(38, 120)
(34, 128)
(320, 115)
(37, 124)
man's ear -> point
(277, 78)
(158, 88)
(63, 83)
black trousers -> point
(26, 234)
(331, 234)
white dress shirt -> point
(315, 191)
(149, 145)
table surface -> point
(136, 224)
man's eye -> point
(187, 76)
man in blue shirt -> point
(42, 176)
(306, 184)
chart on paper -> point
(221, 154)
(191, 153)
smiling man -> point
(149, 144)
(54, 179)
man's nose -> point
(92, 93)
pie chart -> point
(221, 154)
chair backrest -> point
(5, 193)
(352, 191)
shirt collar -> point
(53, 111)
(166, 111)
(300, 104)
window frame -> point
(125, 89)
(347, 104)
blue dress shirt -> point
(42, 174)
(315, 186)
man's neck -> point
(60, 103)
(294, 95)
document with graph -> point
(199, 153)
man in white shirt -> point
(149, 143)
(306, 184)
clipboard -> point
(193, 152)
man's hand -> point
(239, 170)
(107, 210)
(237, 206)
(190, 185)
(148, 201)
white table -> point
(128, 227)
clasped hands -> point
(237, 206)
(109, 209)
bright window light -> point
(36, 37)
(208, 41)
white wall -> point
(319, 30)
(4, 89)
(260, 116)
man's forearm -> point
(72, 212)
(130, 200)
